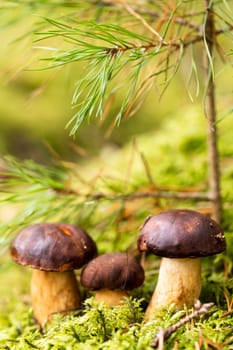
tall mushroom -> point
(180, 237)
(112, 276)
(53, 251)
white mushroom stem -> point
(179, 283)
(111, 297)
(53, 292)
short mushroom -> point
(53, 251)
(112, 276)
(181, 238)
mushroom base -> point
(53, 292)
(111, 297)
(179, 283)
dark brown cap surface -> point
(53, 247)
(181, 234)
(112, 271)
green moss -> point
(98, 326)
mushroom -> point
(112, 276)
(181, 238)
(54, 251)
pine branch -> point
(38, 193)
(113, 50)
(152, 52)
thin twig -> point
(153, 14)
(167, 332)
(211, 114)
(141, 19)
(173, 44)
(138, 195)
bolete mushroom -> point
(112, 276)
(180, 237)
(53, 251)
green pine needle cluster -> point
(109, 51)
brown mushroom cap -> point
(181, 234)
(53, 247)
(112, 271)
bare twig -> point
(154, 14)
(210, 113)
(138, 195)
(141, 19)
(167, 332)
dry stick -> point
(141, 19)
(176, 194)
(158, 194)
(167, 332)
(210, 113)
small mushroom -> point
(53, 251)
(181, 238)
(112, 276)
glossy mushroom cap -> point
(53, 247)
(181, 234)
(112, 271)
